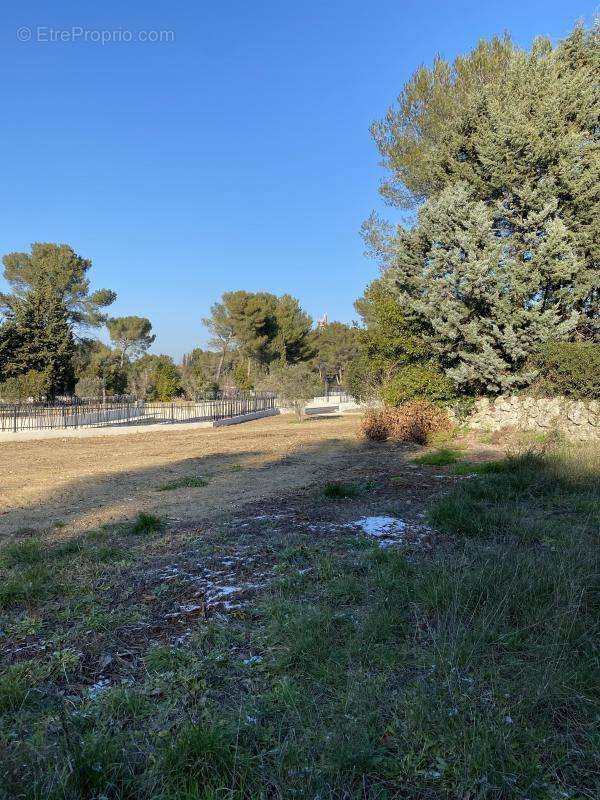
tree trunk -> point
(222, 360)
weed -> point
(28, 551)
(27, 585)
(533, 497)
(480, 467)
(146, 523)
(183, 483)
(18, 685)
(439, 458)
(339, 491)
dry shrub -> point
(414, 421)
(375, 424)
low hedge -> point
(569, 369)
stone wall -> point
(577, 419)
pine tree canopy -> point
(500, 152)
(59, 267)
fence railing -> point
(31, 417)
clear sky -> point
(234, 155)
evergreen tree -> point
(336, 346)
(38, 338)
(502, 148)
(132, 336)
(167, 380)
(65, 273)
(292, 340)
(261, 328)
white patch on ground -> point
(100, 686)
(387, 530)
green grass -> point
(532, 497)
(469, 671)
(336, 490)
(27, 551)
(183, 483)
(146, 523)
(480, 467)
(439, 458)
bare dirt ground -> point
(73, 485)
(78, 484)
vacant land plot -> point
(343, 620)
(76, 484)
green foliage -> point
(183, 483)
(31, 384)
(202, 369)
(141, 377)
(336, 490)
(502, 147)
(100, 370)
(389, 343)
(241, 376)
(60, 268)
(418, 381)
(146, 523)
(261, 327)
(499, 501)
(439, 458)
(50, 295)
(131, 335)
(571, 369)
(336, 346)
(166, 381)
(480, 467)
(295, 385)
(37, 338)
(292, 341)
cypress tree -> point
(42, 340)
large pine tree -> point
(500, 151)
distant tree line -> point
(46, 349)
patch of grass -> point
(146, 523)
(467, 672)
(19, 686)
(28, 551)
(27, 585)
(73, 547)
(107, 553)
(183, 483)
(534, 497)
(336, 490)
(439, 458)
(480, 467)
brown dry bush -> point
(375, 424)
(414, 421)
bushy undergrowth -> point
(571, 369)
(416, 382)
(414, 421)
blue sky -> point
(236, 156)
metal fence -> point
(32, 417)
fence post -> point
(172, 413)
(15, 420)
